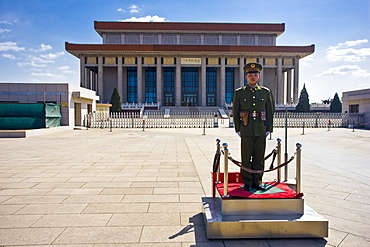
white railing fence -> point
(150, 120)
(159, 119)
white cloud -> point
(134, 9)
(8, 56)
(31, 63)
(353, 70)
(6, 22)
(10, 46)
(52, 55)
(40, 60)
(4, 30)
(306, 61)
(42, 48)
(66, 70)
(148, 18)
(45, 47)
(48, 75)
(352, 43)
(121, 10)
(346, 51)
(64, 67)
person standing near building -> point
(253, 109)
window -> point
(211, 86)
(131, 84)
(169, 86)
(150, 85)
(229, 85)
(189, 86)
(354, 108)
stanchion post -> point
(231, 121)
(279, 160)
(226, 169)
(110, 127)
(218, 151)
(303, 128)
(353, 125)
(215, 122)
(298, 168)
(204, 127)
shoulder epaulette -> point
(241, 88)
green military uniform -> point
(254, 101)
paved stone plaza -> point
(131, 187)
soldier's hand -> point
(267, 133)
(239, 134)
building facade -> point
(186, 64)
(357, 101)
(75, 101)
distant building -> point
(186, 64)
(357, 101)
(75, 101)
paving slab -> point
(130, 187)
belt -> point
(254, 114)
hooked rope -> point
(238, 163)
(216, 162)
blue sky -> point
(33, 33)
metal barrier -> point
(152, 120)
(158, 119)
(317, 119)
(297, 155)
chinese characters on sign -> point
(191, 61)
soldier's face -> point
(252, 78)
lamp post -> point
(286, 143)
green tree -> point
(336, 105)
(304, 101)
(115, 101)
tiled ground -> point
(143, 188)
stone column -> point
(178, 82)
(222, 80)
(241, 72)
(260, 61)
(295, 80)
(279, 83)
(82, 71)
(124, 86)
(100, 79)
(140, 83)
(159, 81)
(120, 76)
(203, 82)
(289, 87)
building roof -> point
(194, 27)
(236, 50)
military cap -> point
(252, 68)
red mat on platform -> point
(274, 190)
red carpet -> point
(273, 190)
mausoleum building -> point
(186, 64)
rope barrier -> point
(238, 163)
(271, 168)
(362, 123)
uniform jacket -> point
(253, 100)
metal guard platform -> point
(261, 218)
(278, 212)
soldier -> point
(253, 109)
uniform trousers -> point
(253, 157)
